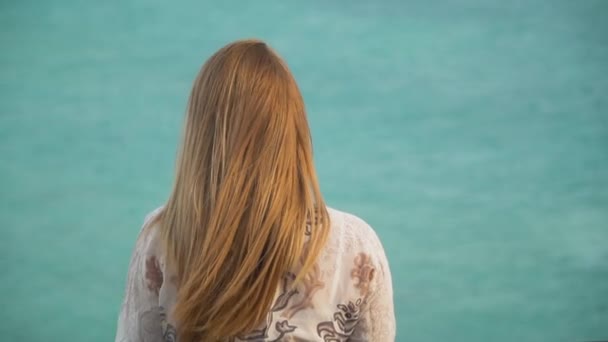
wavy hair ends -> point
(245, 187)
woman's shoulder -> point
(354, 232)
(151, 217)
(356, 262)
(147, 242)
(350, 223)
(349, 232)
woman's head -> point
(245, 187)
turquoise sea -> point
(473, 135)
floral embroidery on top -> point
(153, 326)
(311, 283)
(286, 292)
(363, 273)
(153, 274)
(330, 303)
(343, 324)
(169, 331)
(282, 327)
(309, 222)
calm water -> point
(472, 136)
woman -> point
(245, 248)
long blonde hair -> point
(245, 187)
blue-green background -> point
(473, 135)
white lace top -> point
(348, 295)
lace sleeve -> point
(377, 321)
(140, 316)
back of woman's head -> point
(245, 187)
